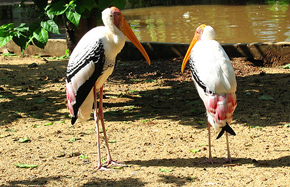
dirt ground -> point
(155, 122)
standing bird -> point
(91, 63)
(215, 80)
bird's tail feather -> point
(228, 129)
(73, 120)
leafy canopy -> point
(24, 34)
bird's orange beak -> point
(187, 55)
(198, 32)
(126, 29)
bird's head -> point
(120, 22)
(203, 32)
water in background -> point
(233, 24)
(177, 24)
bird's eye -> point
(111, 15)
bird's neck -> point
(116, 35)
(115, 41)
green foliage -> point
(24, 34)
(275, 2)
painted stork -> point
(90, 64)
(215, 80)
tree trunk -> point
(74, 34)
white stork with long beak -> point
(91, 63)
(215, 80)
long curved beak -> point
(187, 55)
(125, 28)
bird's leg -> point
(229, 159)
(101, 115)
(209, 145)
(99, 167)
(228, 148)
(209, 160)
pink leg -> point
(101, 117)
(229, 159)
(209, 160)
(209, 145)
(99, 167)
(228, 149)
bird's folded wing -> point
(84, 68)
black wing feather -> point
(95, 54)
(228, 129)
(194, 74)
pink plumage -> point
(221, 106)
(70, 96)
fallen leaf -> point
(40, 100)
(129, 107)
(47, 124)
(72, 140)
(286, 66)
(26, 165)
(25, 139)
(266, 98)
(195, 150)
(191, 178)
(165, 170)
(103, 160)
(82, 156)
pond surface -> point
(177, 24)
(233, 24)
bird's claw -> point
(109, 164)
(228, 160)
(207, 161)
(102, 168)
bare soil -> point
(155, 122)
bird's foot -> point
(110, 165)
(116, 163)
(207, 161)
(227, 160)
(102, 168)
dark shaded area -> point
(181, 101)
(32, 182)
(193, 162)
(30, 82)
(174, 97)
(126, 182)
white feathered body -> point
(212, 68)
